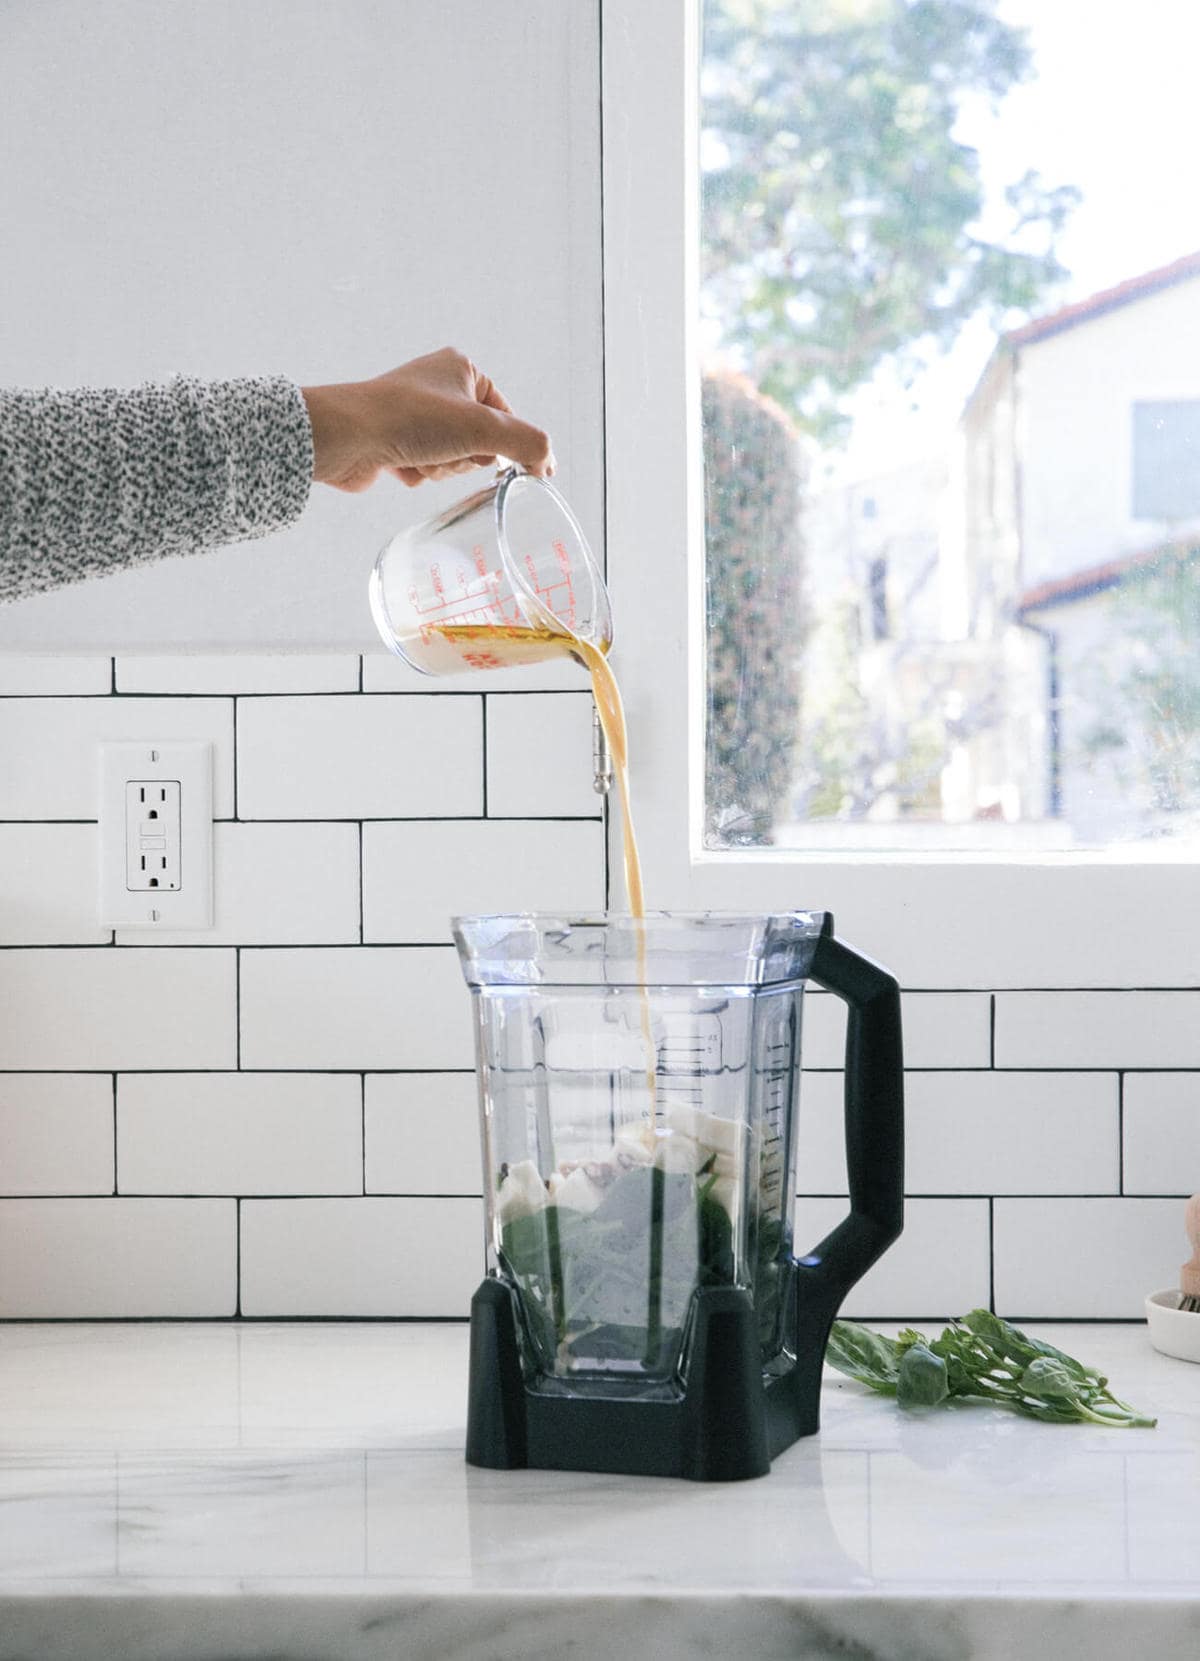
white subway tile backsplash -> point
(49, 766)
(947, 1029)
(938, 1268)
(235, 672)
(1098, 1029)
(373, 1256)
(56, 1133)
(117, 1258)
(422, 1133)
(539, 756)
(1012, 1133)
(824, 1030)
(353, 1130)
(1091, 1259)
(978, 1132)
(31, 677)
(387, 673)
(72, 1010)
(364, 1008)
(275, 885)
(360, 758)
(49, 886)
(1162, 1133)
(821, 1138)
(417, 875)
(239, 1133)
(941, 1029)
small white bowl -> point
(1174, 1331)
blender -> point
(644, 1309)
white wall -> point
(316, 188)
(1075, 395)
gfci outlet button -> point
(156, 836)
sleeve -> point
(98, 479)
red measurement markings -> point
(558, 597)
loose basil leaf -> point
(922, 1378)
(1010, 1341)
(1048, 1379)
(864, 1355)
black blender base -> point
(726, 1425)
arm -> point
(95, 479)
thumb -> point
(506, 435)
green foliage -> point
(921, 1380)
(616, 1283)
(980, 1358)
(1144, 692)
(753, 481)
(840, 211)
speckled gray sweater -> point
(97, 479)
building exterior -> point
(1081, 500)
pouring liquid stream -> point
(512, 642)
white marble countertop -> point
(212, 1491)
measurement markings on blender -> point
(777, 1076)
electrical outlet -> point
(152, 835)
(156, 835)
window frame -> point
(1118, 918)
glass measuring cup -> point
(495, 580)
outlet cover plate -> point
(189, 766)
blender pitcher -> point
(644, 1310)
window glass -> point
(1166, 460)
(950, 333)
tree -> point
(840, 210)
(753, 479)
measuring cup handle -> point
(874, 1115)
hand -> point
(430, 418)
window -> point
(939, 916)
(1166, 460)
(920, 315)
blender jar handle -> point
(874, 1116)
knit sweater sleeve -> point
(97, 479)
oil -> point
(499, 645)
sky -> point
(1111, 109)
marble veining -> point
(215, 1492)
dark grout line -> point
(992, 1032)
(483, 750)
(234, 746)
(992, 1254)
(1121, 1133)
